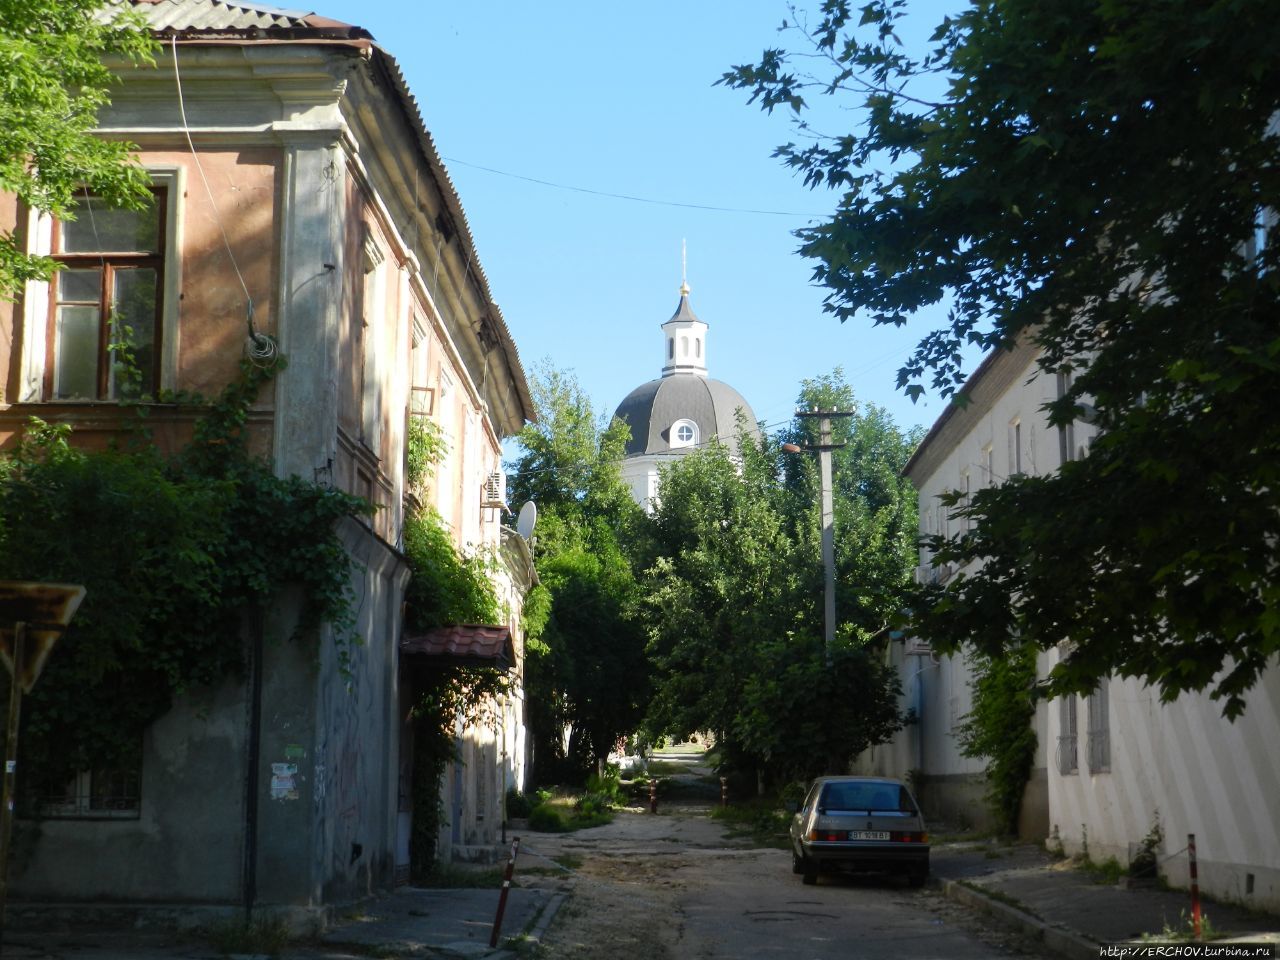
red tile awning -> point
(468, 644)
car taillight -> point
(910, 836)
(829, 835)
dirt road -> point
(673, 886)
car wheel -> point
(916, 878)
(809, 876)
(797, 862)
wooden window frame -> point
(109, 263)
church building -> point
(681, 411)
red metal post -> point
(502, 897)
(724, 791)
(1195, 885)
(653, 796)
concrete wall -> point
(187, 841)
(356, 752)
(1183, 765)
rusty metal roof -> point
(220, 17)
(467, 643)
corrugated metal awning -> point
(467, 644)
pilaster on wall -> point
(313, 202)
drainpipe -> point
(249, 880)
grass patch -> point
(461, 876)
(268, 935)
(1109, 871)
(666, 768)
(1000, 896)
(759, 821)
(563, 814)
(1184, 931)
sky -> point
(620, 99)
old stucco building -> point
(344, 231)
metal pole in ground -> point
(653, 796)
(1195, 885)
(502, 897)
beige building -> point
(1110, 765)
(292, 171)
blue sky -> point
(619, 98)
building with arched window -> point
(681, 411)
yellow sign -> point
(46, 609)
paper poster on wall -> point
(284, 781)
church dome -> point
(682, 410)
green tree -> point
(735, 611)
(1099, 176)
(875, 505)
(587, 672)
(54, 79)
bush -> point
(520, 804)
(546, 819)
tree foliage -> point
(586, 672)
(1000, 728)
(446, 588)
(1099, 176)
(735, 607)
(54, 80)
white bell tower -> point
(684, 336)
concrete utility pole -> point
(824, 448)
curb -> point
(538, 929)
(1065, 943)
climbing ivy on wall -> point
(1000, 728)
(445, 588)
(175, 552)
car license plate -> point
(868, 834)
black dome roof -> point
(651, 408)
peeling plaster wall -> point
(186, 843)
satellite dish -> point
(528, 517)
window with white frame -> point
(1066, 432)
(1068, 736)
(1015, 447)
(446, 469)
(989, 465)
(684, 433)
(106, 302)
(1099, 715)
(372, 325)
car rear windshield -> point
(886, 797)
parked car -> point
(859, 824)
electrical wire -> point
(675, 452)
(260, 348)
(626, 196)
